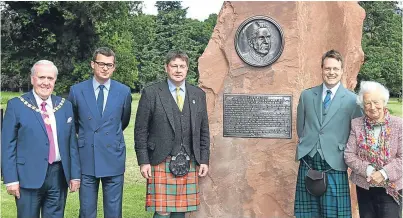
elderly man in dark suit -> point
(39, 155)
(171, 123)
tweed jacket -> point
(359, 167)
(155, 127)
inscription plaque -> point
(257, 116)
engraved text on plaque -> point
(257, 116)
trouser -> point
(376, 203)
(112, 189)
(49, 200)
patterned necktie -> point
(52, 149)
(179, 99)
(327, 100)
(100, 99)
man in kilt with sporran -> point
(324, 114)
(172, 140)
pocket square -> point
(69, 120)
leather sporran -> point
(180, 164)
(315, 181)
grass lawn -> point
(5, 96)
(134, 187)
(395, 107)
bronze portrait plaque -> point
(259, 41)
(257, 116)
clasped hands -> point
(376, 177)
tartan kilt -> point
(334, 203)
(167, 193)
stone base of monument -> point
(256, 176)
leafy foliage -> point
(68, 32)
(174, 31)
(382, 45)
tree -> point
(169, 22)
(114, 33)
(382, 45)
(143, 28)
(66, 33)
(43, 30)
(174, 31)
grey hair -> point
(44, 62)
(370, 86)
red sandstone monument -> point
(256, 177)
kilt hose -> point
(167, 193)
(334, 203)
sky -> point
(198, 9)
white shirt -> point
(333, 90)
(95, 85)
(172, 89)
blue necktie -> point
(327, 100)
(100, 99)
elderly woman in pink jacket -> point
(374, 154)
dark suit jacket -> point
(155, 129)
(25, 143)
(101, 144)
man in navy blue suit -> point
(102, 107)
(39, 154)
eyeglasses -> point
(102, 64)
